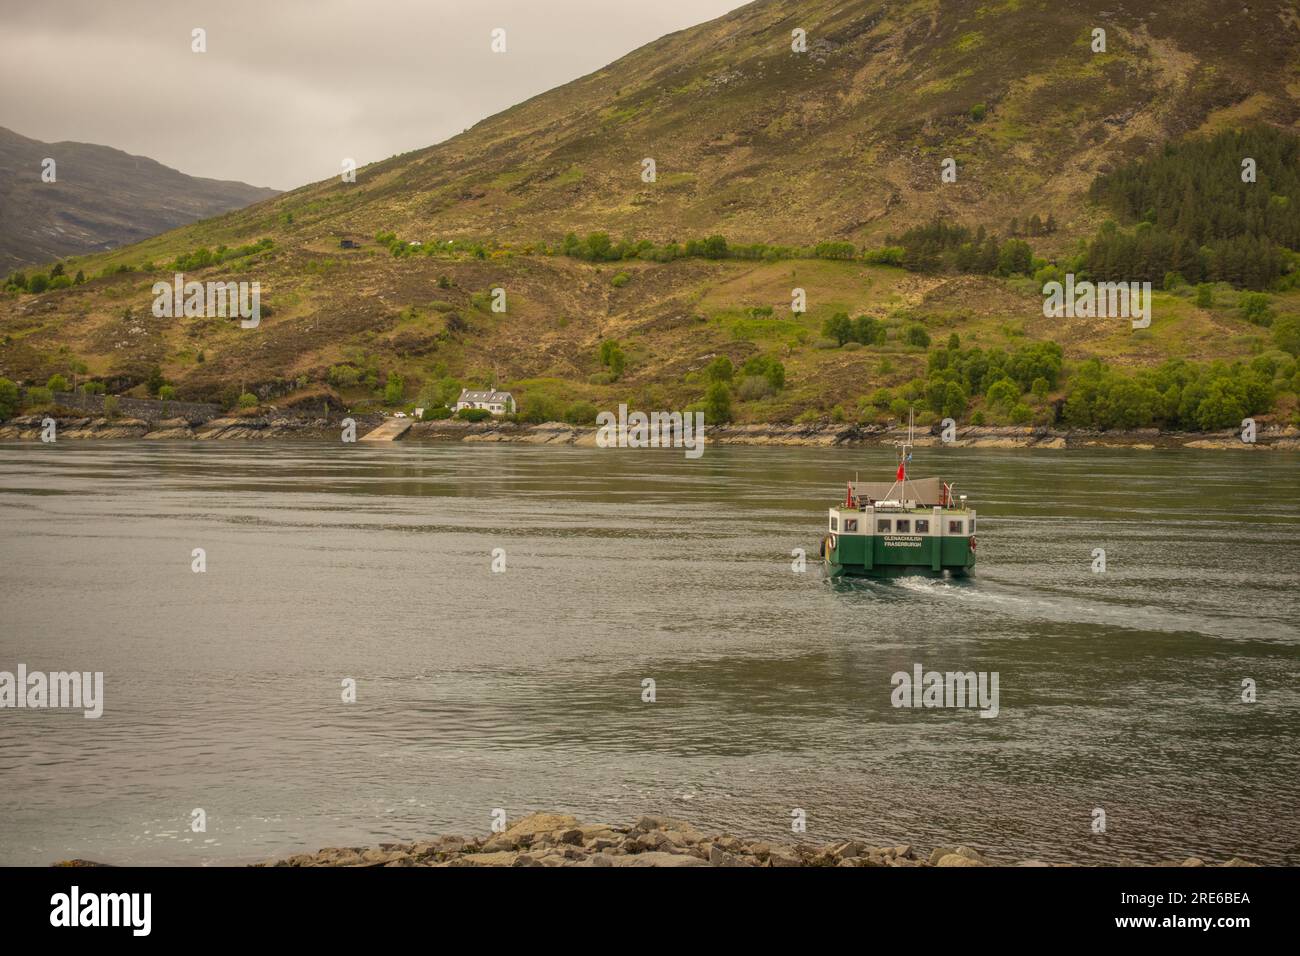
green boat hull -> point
(883, 554)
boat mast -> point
(906, 451)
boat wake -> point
(1029, 603)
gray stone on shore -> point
(660, 859)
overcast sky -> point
(287, 88)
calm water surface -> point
(522, 690)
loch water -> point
(522, 690)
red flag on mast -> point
(902, 471)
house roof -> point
(466, 395)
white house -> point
(498, 403)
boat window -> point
(904, 526)
(850, 525)
(972, 524)
(954, 527)
(835, 522)
(882, 526)
(922, 525)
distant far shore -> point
(820, 435)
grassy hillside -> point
(751, 141)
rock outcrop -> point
(28, 428)
(552, 839)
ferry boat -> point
(911, 524)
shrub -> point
(435, 413)
(39, 396)
(1003, 394)
(91, 388)
(954, 401)
(915, 334)
(613, 358)
(60, 282)
(445, 391)
(717, 403)
(978, 111)
(1022, 414)
(38, 283)
(868, 331)
(167, 393)
(1255, 308)
(1286, 334)
(1015, 256)
(1048, 273)
(57, 383)
(885, 256)
(343, 376)
(881, 398)
(754, 387)
(620, 280)
(1205, 295)
(714, 247)
(838, 328)
(719, 370)
(248, 400)
(8, 398)
(110, 406)
(394, 389)
(580, 413)
(537, 407)
(767, 367)
(155, 381)
(835, 250)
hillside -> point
(101, 198)
(751, 142)
(761, 144)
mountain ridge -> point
(101, 198)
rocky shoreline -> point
(265, 427)
(552, 839)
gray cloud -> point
(290, 87)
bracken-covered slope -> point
(100, 198)
(751, 141)
(845, 141)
